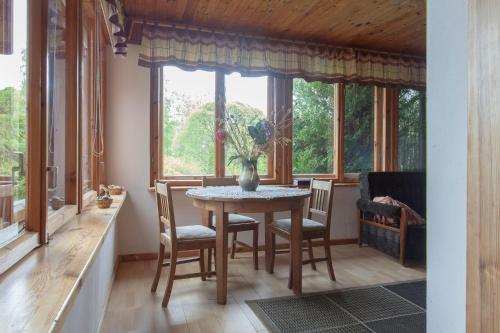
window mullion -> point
(220, 106)
(339, 131)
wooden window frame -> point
(35, 207)
(280, 101)
(337, 142)
(156, 133)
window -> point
(189, 118)
(13, 122)
(332, 132)
(56, 105)
(313, 128)
(246, 98)
(411, 146)
(358, 128)
(188, 122)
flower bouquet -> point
(249, 141)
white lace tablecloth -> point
(226, 193)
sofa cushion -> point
(407, 187)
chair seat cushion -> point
(237, 219)
(192, 232)
(307, 225)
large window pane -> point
(56, 103)
(313, 126)
(358, 128)
(411, 130)
(13, 121)
(188, 122)
(246, 98)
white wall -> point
(89, 307)
(127, 145)
(447, 164)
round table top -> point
(235, 193)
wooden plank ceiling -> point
(389, 25)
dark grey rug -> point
(382, 309)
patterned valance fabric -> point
(251, 55)
(6, 11)
(113, 9)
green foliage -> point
(358, 128)
(313, 115)
(188, 136)
(248, 115)
(13, 117)
(411, 130)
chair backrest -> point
(219, 181)
(321, 200)
(165, 209)
(6, 203)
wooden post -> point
(73, 59)
(36, 203)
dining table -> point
(219, 201)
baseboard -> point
(192, 253)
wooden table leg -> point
(296, 249)
(206, 220)
(221, 251)
(268, 218)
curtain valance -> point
(113, 9)
(252, 55)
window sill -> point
(16, 249)
(48, 280)
(57, 218)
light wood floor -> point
(193, 308)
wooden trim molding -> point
(483, 173)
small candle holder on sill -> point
(104, 200)
(56, 203)
(115, 189)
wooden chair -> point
(6, 204)
(185, 238)
(320, 204)
(236, 222)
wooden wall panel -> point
(483, 200)
(383, 24)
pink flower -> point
(220, 135)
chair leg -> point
(233, 246)
(161, 256)
(311, 254)
(202, 265)
(329, 264)
(290, 282)
(171, 277)
(273, 251)
(256, 248)
(209, 260)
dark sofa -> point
(398, 239)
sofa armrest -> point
(375, 208)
